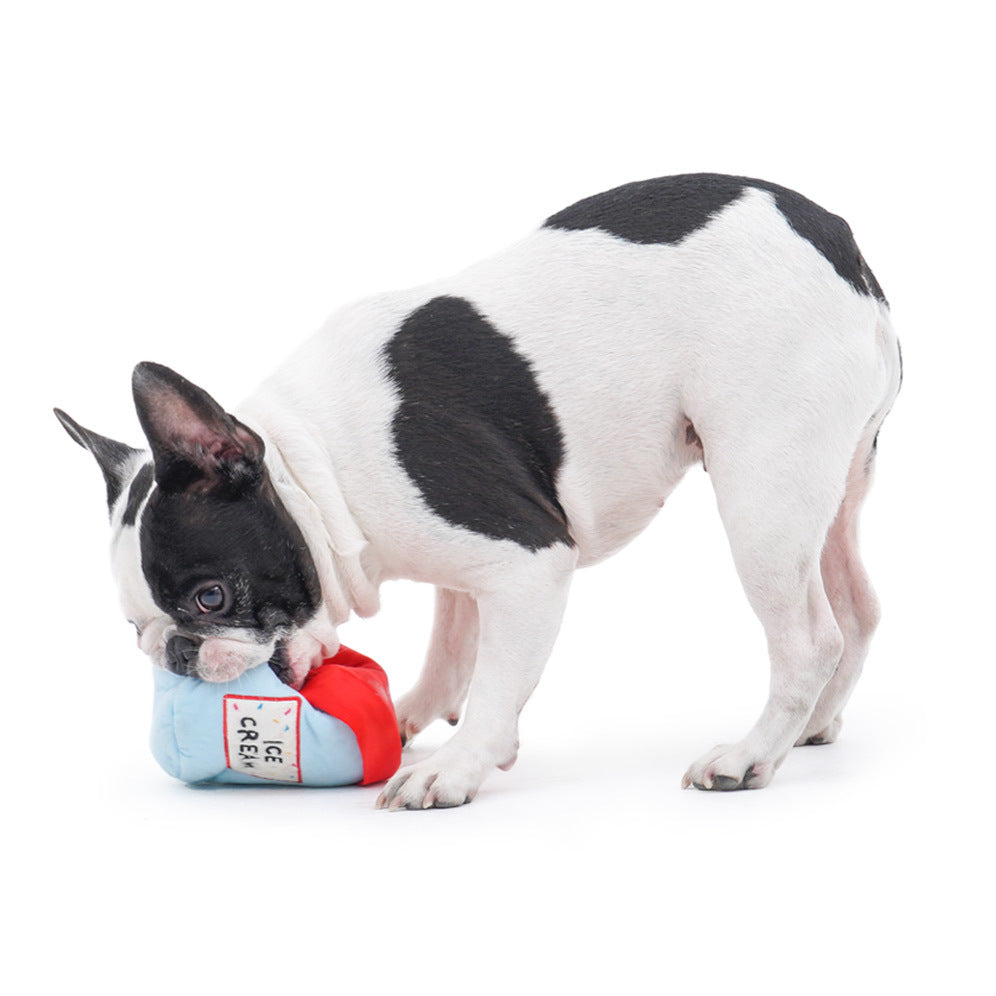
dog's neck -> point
(305, 481)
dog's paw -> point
(416, 710)
(825, 736)
(439, 782)
(726, 768)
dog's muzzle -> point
(181, 655)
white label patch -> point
(262, 736)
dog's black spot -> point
(665, 210)
(473, 429)
(830, 235)
(140, 486)
(249, 544)
(870, 282)
(669, 209)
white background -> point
(200, 184)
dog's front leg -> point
(442, 685)
(519, 620)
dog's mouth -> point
(280, 663)
(182, 655)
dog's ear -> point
(197, 448)
(114, 459)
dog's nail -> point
(453, 720)
(387, 796)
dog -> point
(492, 432)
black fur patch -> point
(652, 212)
(140, 486)
(473, 430)
(669, 209)
(112, 457)
(870, 282)
(250, 546)
(830, 235)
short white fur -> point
(743, 330)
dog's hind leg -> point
(442, 685)
(777, 499)
(851, 596)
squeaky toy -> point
(339, 729)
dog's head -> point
(213, 572)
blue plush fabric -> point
(189, 733)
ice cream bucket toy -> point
(338, 729)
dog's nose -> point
(181, 654)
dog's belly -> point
(602, 527)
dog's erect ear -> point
(113, 458)
(196, 446)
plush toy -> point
(339, 729)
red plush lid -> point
(354, 689)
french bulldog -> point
(492, 432)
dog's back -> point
(592, 361)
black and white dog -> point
(492, 432)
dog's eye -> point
(210, 598)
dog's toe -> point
(438, 782)
(416, 711)
(727, 769)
